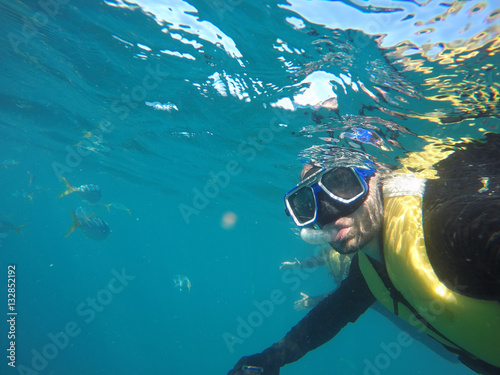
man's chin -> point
(343, 248)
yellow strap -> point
(383, 295)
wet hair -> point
(328, 155)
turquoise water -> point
(190, 117)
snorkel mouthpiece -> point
(316, 236)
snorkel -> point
(317, 236)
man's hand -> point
(290, 265)
(254, 365)
(302, 304)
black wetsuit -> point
(462, 234)
(464, 247)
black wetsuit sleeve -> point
(321, 324)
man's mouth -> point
(339, 229)
(341, 234)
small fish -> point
(32, 178)
(89, 192)
(118, 206)
(92, 226)
(23, 194)
(6, 227)
(182, 282)
(9, 163)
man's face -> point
(352, 232)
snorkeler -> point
(347, 201)
(338, 267)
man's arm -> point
(321, 324)
(312, 262)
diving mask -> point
(328, 194)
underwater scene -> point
(146, 147)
